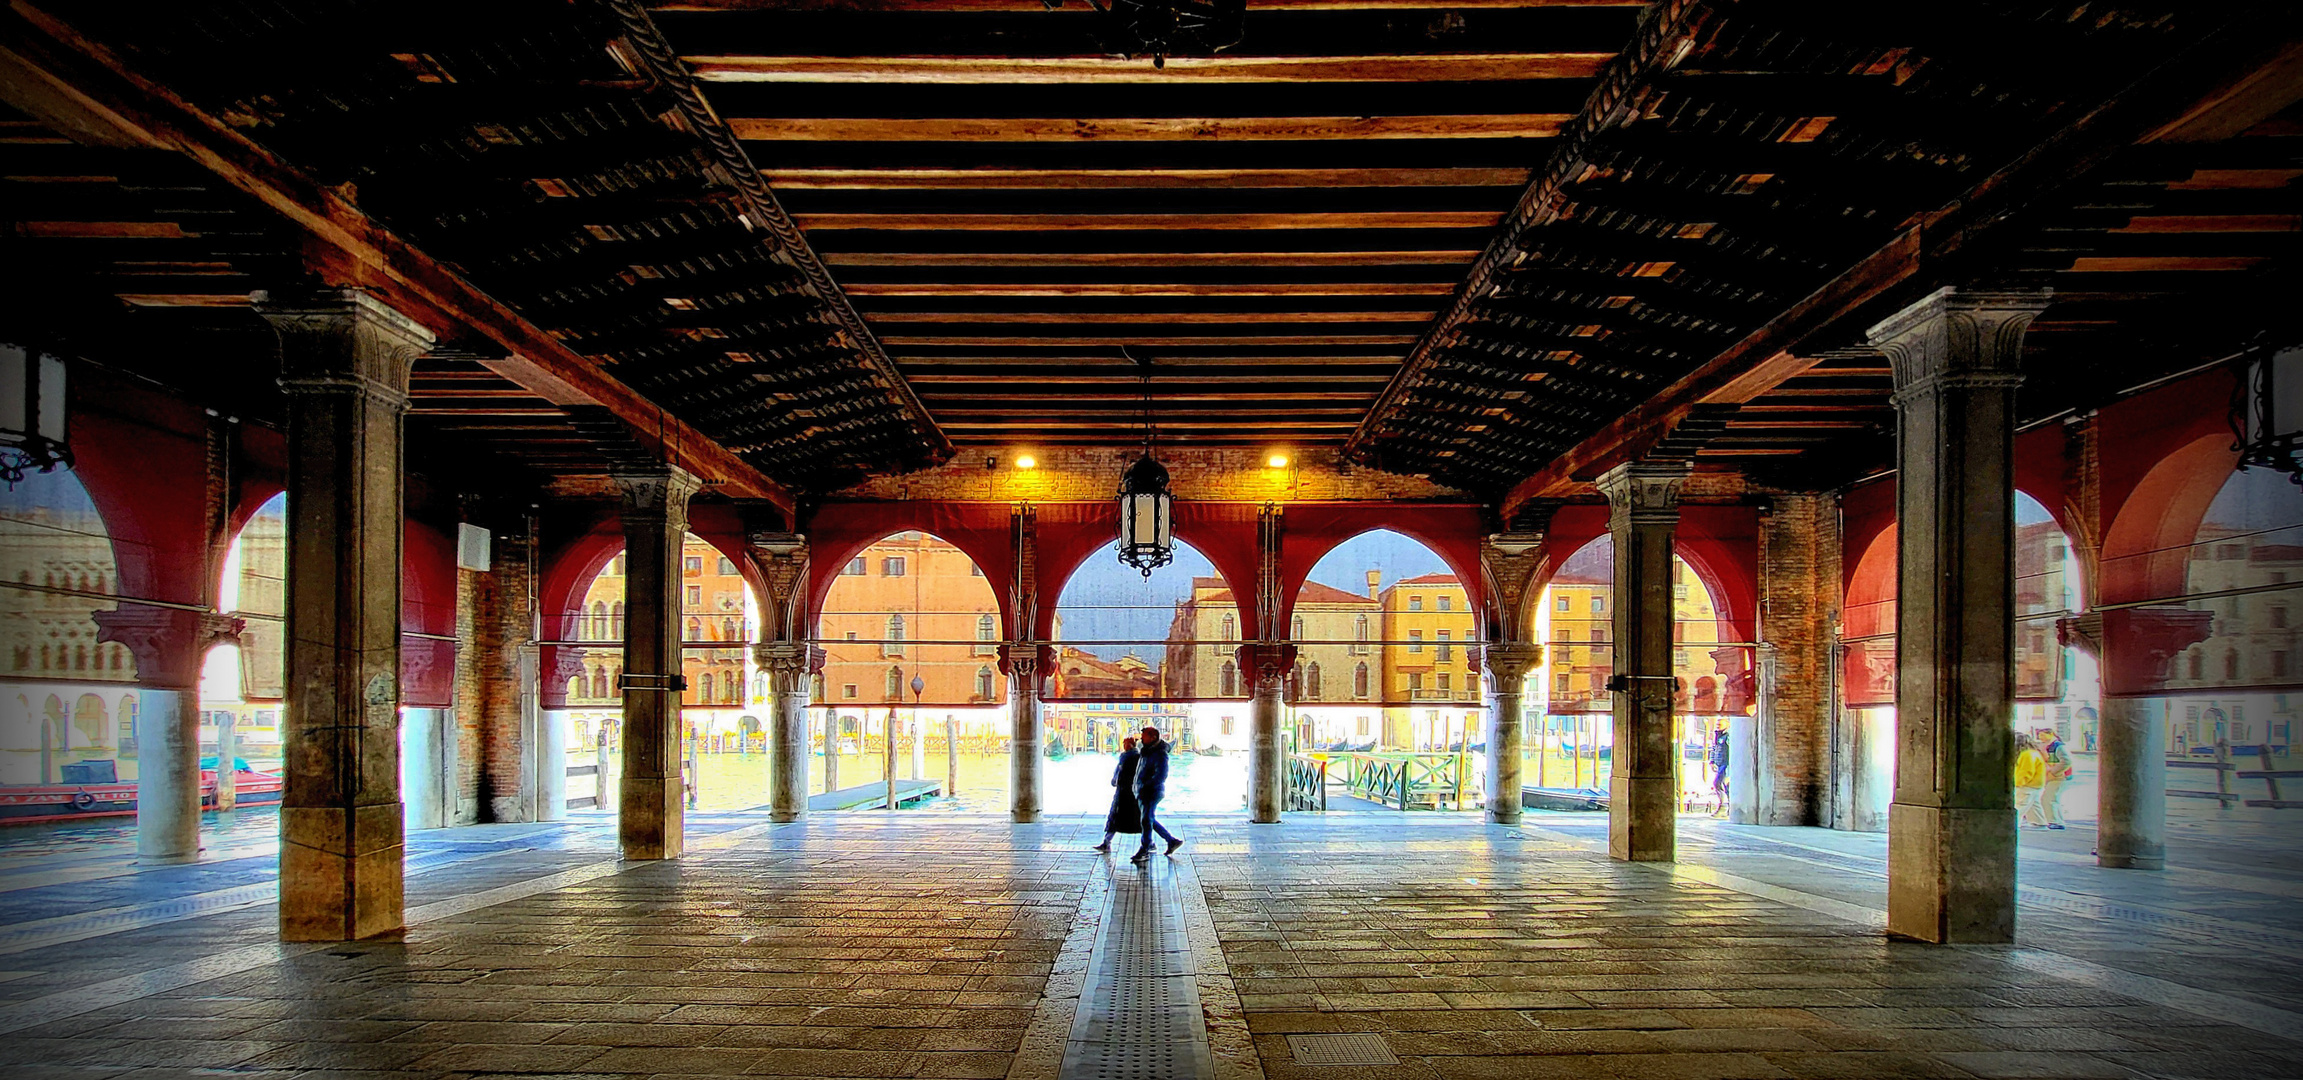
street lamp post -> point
(919, 732)
(888, 757)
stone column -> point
(169, 645)
(1266, 766)
(2131, 774)
(1643, 803)
(345, 359)
(1023, 663)
(787, 666)
(1507, 666)
(652, 799)
(1951, 828)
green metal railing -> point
(1409, 781)
(1306, 783)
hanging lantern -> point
(2268, 411)
(31, 413)
(1147, 516)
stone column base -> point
(340, 872)
(651, 817)
(1642, 818)
(1951, 874)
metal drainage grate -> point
(1139, 1015)
(1340, 1050)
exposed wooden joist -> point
(99, 230)
(46, 56)
(1144, 128)
(796, 179)
(1151, 258)
(1142, 318)
(1437, 67)
(1117, 339)
(1398, 219)
(941, 6)
(1099, 289)
(2213, 223)
(2147, 263)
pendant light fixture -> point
(1147, 509)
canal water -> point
(1080, 783)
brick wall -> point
(469, 750)
(1198, 474)
(1799, 600)
(495, 772)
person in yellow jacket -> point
(2030, 777)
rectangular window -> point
(892, 566)
(1415, 641)
(851, 635)
(1414, 681)
(848, 690)
(1562, 604)
(695, 598)
(1444, 680)
(1562, 683)
(1446, 651)
(855, 567)
(1447, 603)
(1471, 685)
(2279, 616)
(1363, 725)
(727, 567)
(693, 564)
(1598, 604)
(1415, 603)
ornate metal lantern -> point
(1147, 509)
(1147, 516)
(2267, 410)
(31, 413)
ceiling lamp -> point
(31, 413)
(1147, 509)
(1163, 28)
(2267, 410)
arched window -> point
(576, 686)
(1311, 681)
(616, 618)
(1359, 681)
(600, 682)
(80, 658)
(704, 693)
(1230, 632)
(728, 629)
(1295, 683)
(599, 630)
(984, 683)
(1359, 648)
(987, 634)
(894, 635)
(1230, 683)
(695, 629)
(895, 683)
(1298, 634)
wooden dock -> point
(875, 794)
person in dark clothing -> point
(1125, 816)
(1718, 757)
(1151, 784)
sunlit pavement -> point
(877, 944)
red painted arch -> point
(1451, 532)
(2146, 552)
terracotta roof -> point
(1432, 579)
(1314, 592)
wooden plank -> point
(1117, 339)
(2144, 263)
(941, 6)
(2212, 223)
(1081, 179)
(1437, 67)
(186, 300)
(1152, 258)
(1139, 318)
(1117, 289)
(344, 246)
(2236, 180)
(1395, 219)
(100, 230)
(1145, 129)
(1081, 400)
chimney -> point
(1374, 584)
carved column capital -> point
(167, 643)
(1643, 492)
(2083, 632)
(1511, 662)
(658, 494)
(1958, 338)
(343, 341)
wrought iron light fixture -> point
(1164, 28)
(2267, 409)
(31, 413)
(1147, 509)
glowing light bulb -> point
(1277, 461)
(1026, 461)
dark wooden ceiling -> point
(1501, 243)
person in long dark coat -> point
(1125, 817)
(1151, 786)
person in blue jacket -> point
(1151, 784)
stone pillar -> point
(652, 800)
(1643, 803)
(345, 359)
(1951, 828)
(227, 777)
(169, 645)
(2131, 774)
(1799, 575)
(1507, 665)
(1266, 766)
(787, 666)
(1023, 663)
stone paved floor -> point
(856, 946)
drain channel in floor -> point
(1139, 1012)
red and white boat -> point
(25, 804)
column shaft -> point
(652, 801)
(2131, 801)
(1951, 828)
(1643, 804)
(1266, 769)
(1024, 744)
(345, 359)
(1507, 665)
(167, 776)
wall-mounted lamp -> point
(1277, 461)
(1026, 461)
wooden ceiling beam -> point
(1052, 289)
(879, 7)
(1152, 259)
(1139, 318)
(47, 56)
(810, 179)
(910, 222)
(1435, 67)
(822, 129)
(1113, 340)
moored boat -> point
(25, 804)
